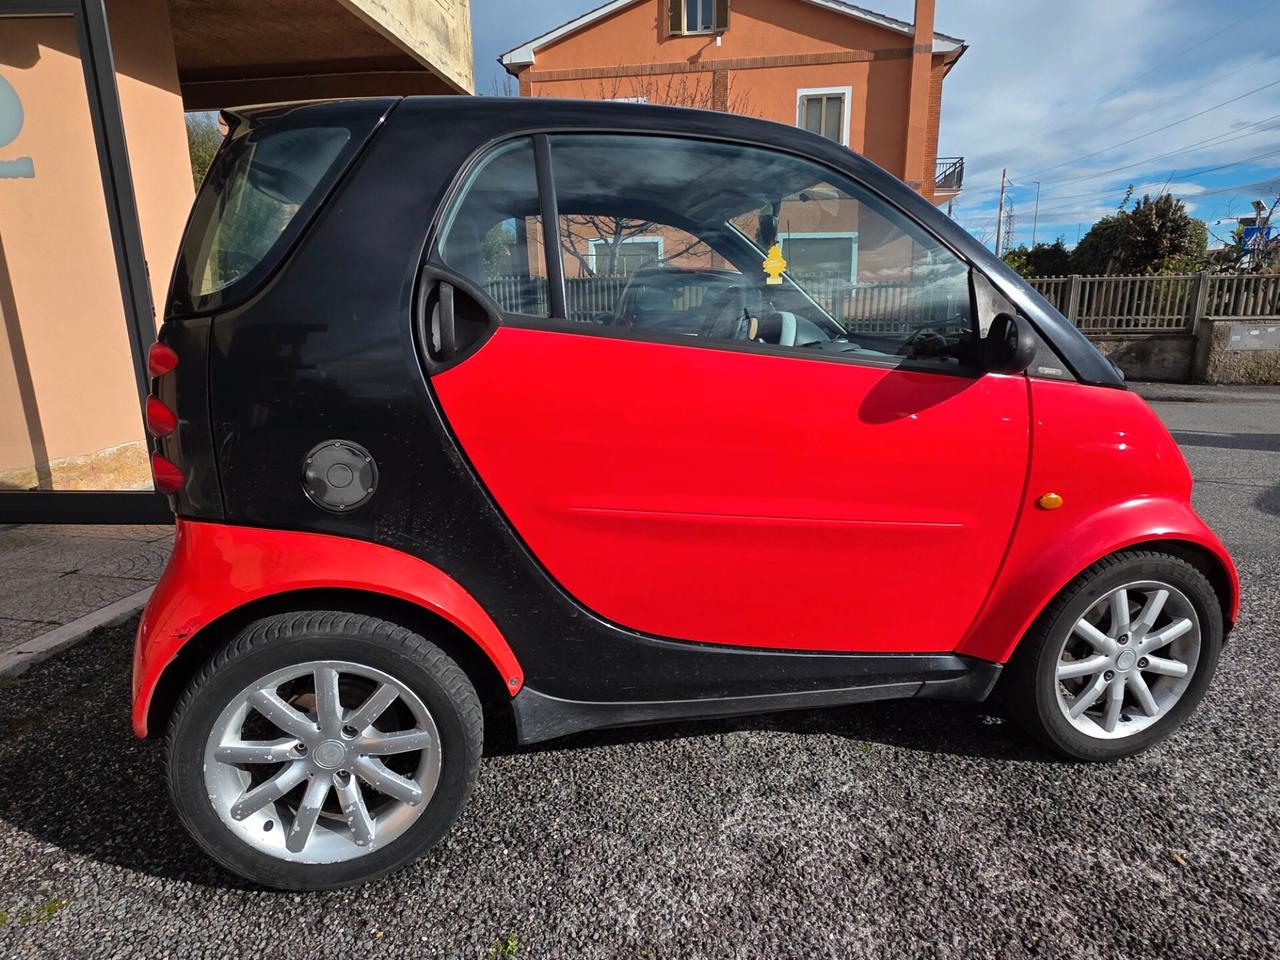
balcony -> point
(948, 177)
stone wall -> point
(1239, 352)
(1166, 358)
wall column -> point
(913, 167)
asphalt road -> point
(891, 830)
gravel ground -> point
(888, 830)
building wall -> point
(772, 49)
(69, 414)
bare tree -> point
(596, 242)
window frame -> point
(846, 99)
(433, 267)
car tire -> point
(320, 675)
(1083, 645)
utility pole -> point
(1004, 177)
(1035, 217)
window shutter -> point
(675, 16)
(721, 16)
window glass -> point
(493, 235)
(698, 15)
(256, 187)
(727, 242)
(824, 114)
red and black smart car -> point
(590, 414)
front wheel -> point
(322, 749)
(1120, 658)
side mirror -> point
(1010, 345)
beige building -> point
(95, 184)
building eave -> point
(526, 53)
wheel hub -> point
(330, 755)
(1126, 660)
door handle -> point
(438, 333)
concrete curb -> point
(27, 654)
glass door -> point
(75, 314)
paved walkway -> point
(53, 576)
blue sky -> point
(1053, 90)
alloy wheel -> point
(1127, 660)
(322, 762)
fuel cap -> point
(339, 475)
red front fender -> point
(1029, 581)
(216, 568)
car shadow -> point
(72, 775)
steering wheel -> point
(925, 343)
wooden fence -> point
(1160, 304)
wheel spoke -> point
(1096, 638)
(328, 706)
(1166, 636)
(304, 822)
(1119, 612)
(1142, 693)
(270, 791)
(1115, 702)
(351, 799)
(1155, 603)
(402, 741)
(291, 721)
(1068, 669)
(1088, 697)
(1167, 668)
(377, 775)
(373, 708)
(257, 751)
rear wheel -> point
(322, 749)
(1120, 658)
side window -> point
(637, 272)
(493, 234)
(735, 243)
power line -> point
(1186, 47)
(1220, 139)
(1143, 136)
(1189, 175)
(1263, 186)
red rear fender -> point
(217, 568)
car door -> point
(803, 456)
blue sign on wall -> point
(10, 126)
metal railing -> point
(866, 307)
(1160, 304)
(949, 173)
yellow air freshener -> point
(774, 265)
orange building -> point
(867, 80)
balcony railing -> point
(949, 174)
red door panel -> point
(738, 498)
